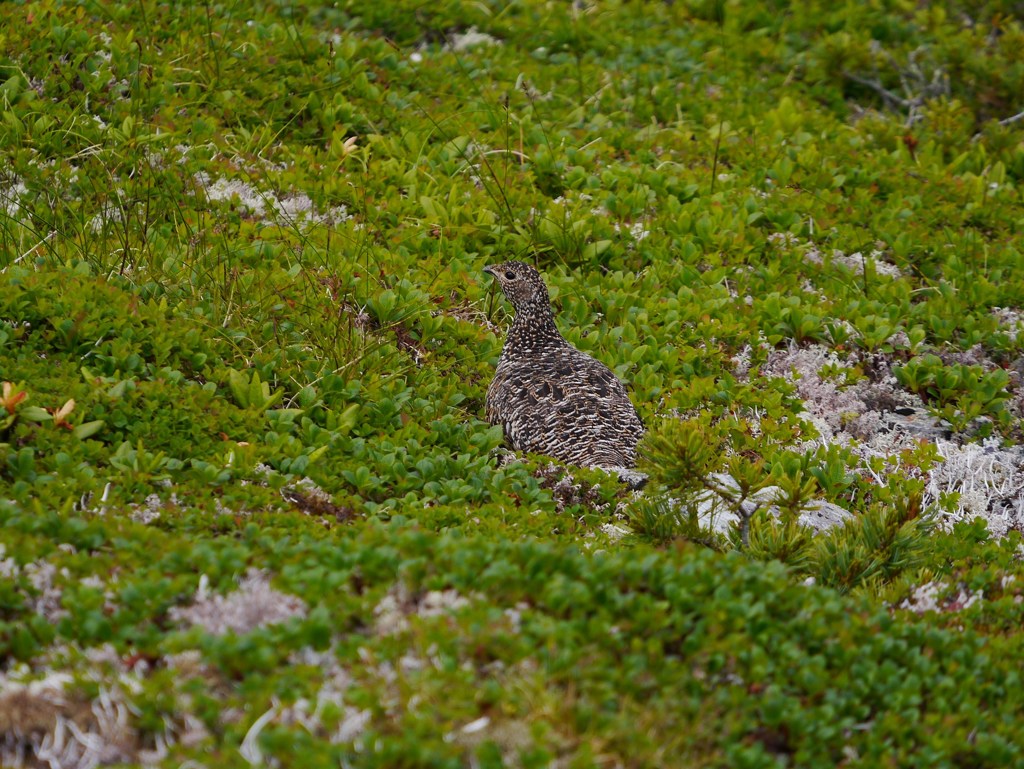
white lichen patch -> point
(44, 722)
(346, 722)
(840, 412)
(11, 195)
(292, 209)
(987, 480)
(935, 596)
(326, 716)
(109, 215)
(1010, 320)
(638, 231)
(149, 511)
(9, 568)
(394, 609)
(471, 38)
(234, 191)
(46, 597)
(47, 719)
(254, 604)
(614, 531)
(856, 262)
(783, 239)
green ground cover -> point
(251, 512)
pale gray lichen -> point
(929, 597)
(876, 419)
(394, 609)
(471, 38)
(253, 605)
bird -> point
(549, 397)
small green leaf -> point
(239, 387)
(35, 414)
(117, 391)
(592, 250)
(88, 429)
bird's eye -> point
(510, 275)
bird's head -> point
(521, 284)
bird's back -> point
(568, 406)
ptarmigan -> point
(549, 397)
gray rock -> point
(715, 508)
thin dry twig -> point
(919, 86)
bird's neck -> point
(533, 330)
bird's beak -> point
(489, 270)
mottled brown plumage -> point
(549, 397)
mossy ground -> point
(247, 341)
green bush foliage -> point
(249, 504)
